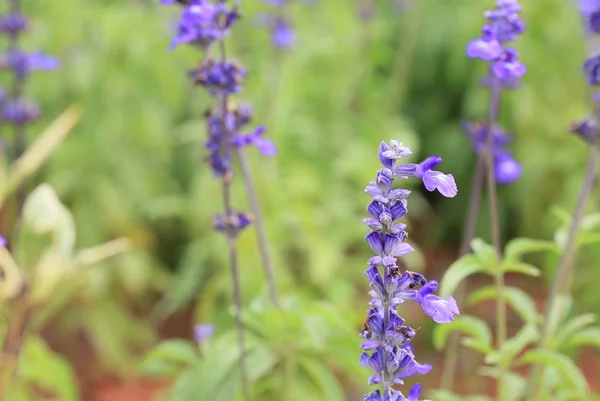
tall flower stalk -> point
(503, 26)
(16, 110)
(588, 130)
(386, 339)
(205, 25)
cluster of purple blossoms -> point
(504, 25)
(15, 109)
(588, 128)
(203, 23)
(506, 168)
(386, 339)
(282, 33)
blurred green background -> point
(133, 166)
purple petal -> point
(485, 50)
(444, 183)
(440, 309)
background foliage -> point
(133, 166)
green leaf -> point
(589, 336)
(512, 266)
(528, 334)
(168, 358)
(588, 238)
(479, 334)
(519, 246)
(41, 366)
(573, 326)
(485, 252)
(516, 298)
(513, 386)
(458, 271)
(571, 373)
(445, 395)
(44, 213)
(323, 378)
(560, 309)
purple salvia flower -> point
(203, 333)
(588, 129)
(386, 345)
(506, 168)
(202, 23)
(504, 25)
(280, 25)
(16, 109)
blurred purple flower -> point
(12, 24)
(203, 333)
(506, 168)
(503, 25)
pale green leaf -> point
(516, 298)
(513, 386)
(323, 378)
(573, 326)
(445, 395)
(458, 272)
(485, 252)
(477, 331)
(519, 246)
(511, 266)
(40, 365)
(588, 336)
(561, 306)
(571, 373)
(528, 334)
(169, 358)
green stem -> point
(404, 58)
(451, 354)
(561, 283)
(495, 224)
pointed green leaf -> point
(528, 334)
(323, 378)
(589, 336)
(169, 357)
(573, 326)
(520, 246)
(560, 309)
(485, 252)
(512, 266)
(458, 272)
(41, 366)
(479, 334)
(571, 373)
(513, 386)
(445, 395)
(516, 298)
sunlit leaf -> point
(459, 271)
(477, 331)
(569, 370)
(516, 298)
(169, 358)
(519, 246)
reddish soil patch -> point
(131, 390)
